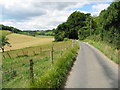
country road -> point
(92, 70)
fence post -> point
(27, 53)
(3, 56)
(31, 71)
(51, 55)
(9, 55)
(17, 54)
(23, 52)
(61, 51)
(41, 51)
(34, 52)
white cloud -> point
(98, 7)
(34, 14)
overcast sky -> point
(43, 15)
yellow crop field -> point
(21, 41)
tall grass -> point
(17, 68)
(55, 76)
(108, 49)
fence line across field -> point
(11, 70)
(31, 63)
(26, 54)
(16, 70)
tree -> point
(109, 24)
(3, 42)
(70, 28)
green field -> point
(16, 60)
(43, 36)
(4, 32)
(16, 63)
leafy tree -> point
(9, 28)
(70, 28)
(3, 42)
(109, 24)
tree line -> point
(105, 27)
(27, 32)
(10, 28)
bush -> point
(65, 39)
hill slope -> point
(21, 41)
(4, 32)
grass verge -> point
(108, 49)
(55, 76)
(16, 69)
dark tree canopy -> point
(70, 28)
(9, 28)
(80, 25)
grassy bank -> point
(55, 76)
(108, 49)
(16, 69)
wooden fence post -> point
(17, 55)
(23, 52)
(51, 55)
(34, 52)
(9, 55)
(3, 56)
(27, 53)
(61, 51)
(41, 51)
(31, 71)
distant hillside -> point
(10, 28)
(4, 32)
(30, 33)
(36, 33)
(21, 41)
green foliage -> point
(66, 39)
(109, 24)
(106, 26)
(80, 25)
(108, 49)
(9, 28)
(70, 28)
(55, 76)
(38, 33)
(18, 67)
(3, 42)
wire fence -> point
(26, 69)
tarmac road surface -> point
(92, 69)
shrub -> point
(65, 39)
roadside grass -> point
(55, 76)
(108, 49)
(16, 69)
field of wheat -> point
(19, 41)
